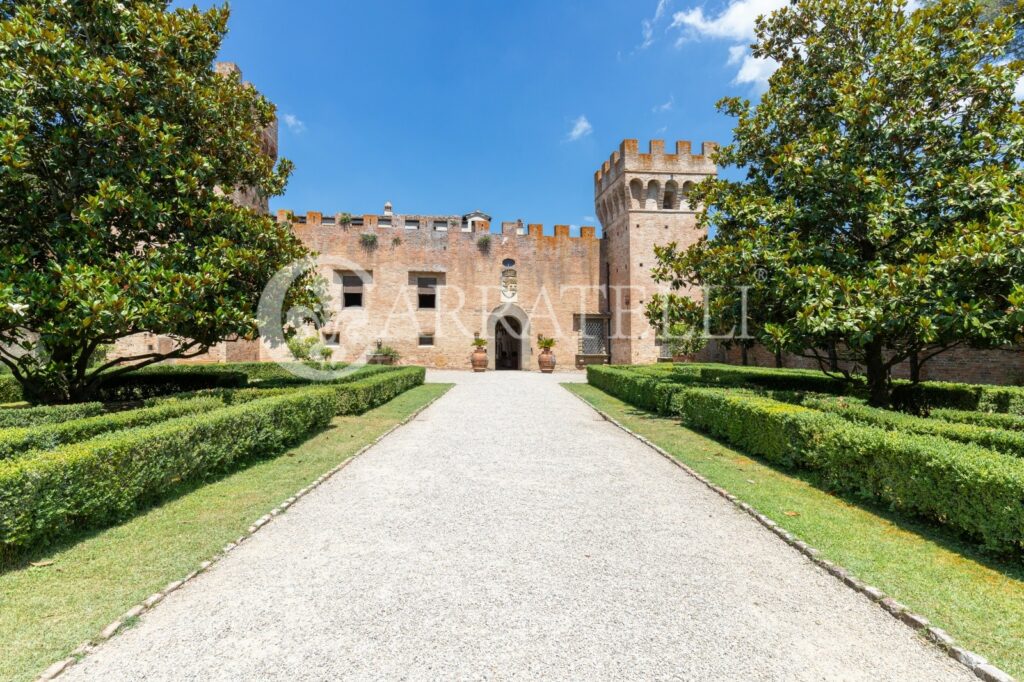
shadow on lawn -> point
(22, 560)
(1009, 565)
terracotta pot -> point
(376, 359)
(546, 360)
(480, 360)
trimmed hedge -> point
(644, 390)
(255, 371)
(48, 495)
(1009, 442)
(14, 417)
(48, 436)
(10, 389)
(992, 420)
(974, 397)
(142, 385)
(971, 489)
(359, 396)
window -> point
(426, 288)
(508, 263)
(594, 339)
(426, 340)
(384, 222)
(351, 291)
(332, 339)
(411, 224)
(440, 225)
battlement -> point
(628, 159)
(443, 224)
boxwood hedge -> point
(10, 389)
(12, 417)
(48, 495)
(1009, 442)
(973, 490)
(48, 436)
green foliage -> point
(653, 393)
(142, 385)
(255, 371)
(388, 352)
(368, 241)
(302, 347)
(104, 480)
(14, 441)
(684, 339)
(484, 244)
(880, 213)
(10, 389)
(545, 343)
(50, 414)
(1008, 442)
(480, 343)
(927, 395)
(47, 495)
(116, 137)
(975, 491)
(356, 397)
(1007, 422)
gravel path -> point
(509, 532)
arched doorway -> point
(508, 331)
(508, 336)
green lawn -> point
(46, 612)
(979, 600)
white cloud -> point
(589, 219)
(666, 106)
(735, 22)
(647, 25)
(294, 123)
(580, 128)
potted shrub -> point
(685, 342)
(546, 359)
(479, 357)
(383, 355)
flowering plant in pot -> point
(479, 357)
(546, 359)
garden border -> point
(976, 663)
(150, 602)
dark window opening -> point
(426, 339)
(352, 291)
(332, 339)
(426, 288)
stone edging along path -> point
(131, 614)
(940, 638)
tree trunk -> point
(743, 355)
(778, 359)
(878, 375)
(833, 358)
(915, 368)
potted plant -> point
(685, 342)
(479, 357)
(546, 359)
(383, 355)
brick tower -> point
(642, 201)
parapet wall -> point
(629, 159)
(404, 224)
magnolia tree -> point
(880, 218)
(117, 145)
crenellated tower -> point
(642, 200)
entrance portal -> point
(508, 334)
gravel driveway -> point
(509, 532)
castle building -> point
(427, 285)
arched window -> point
(653, 193)
(636, 193)
(687, 190)
(671, 201)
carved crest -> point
(509, 285)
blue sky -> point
(446, 107)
